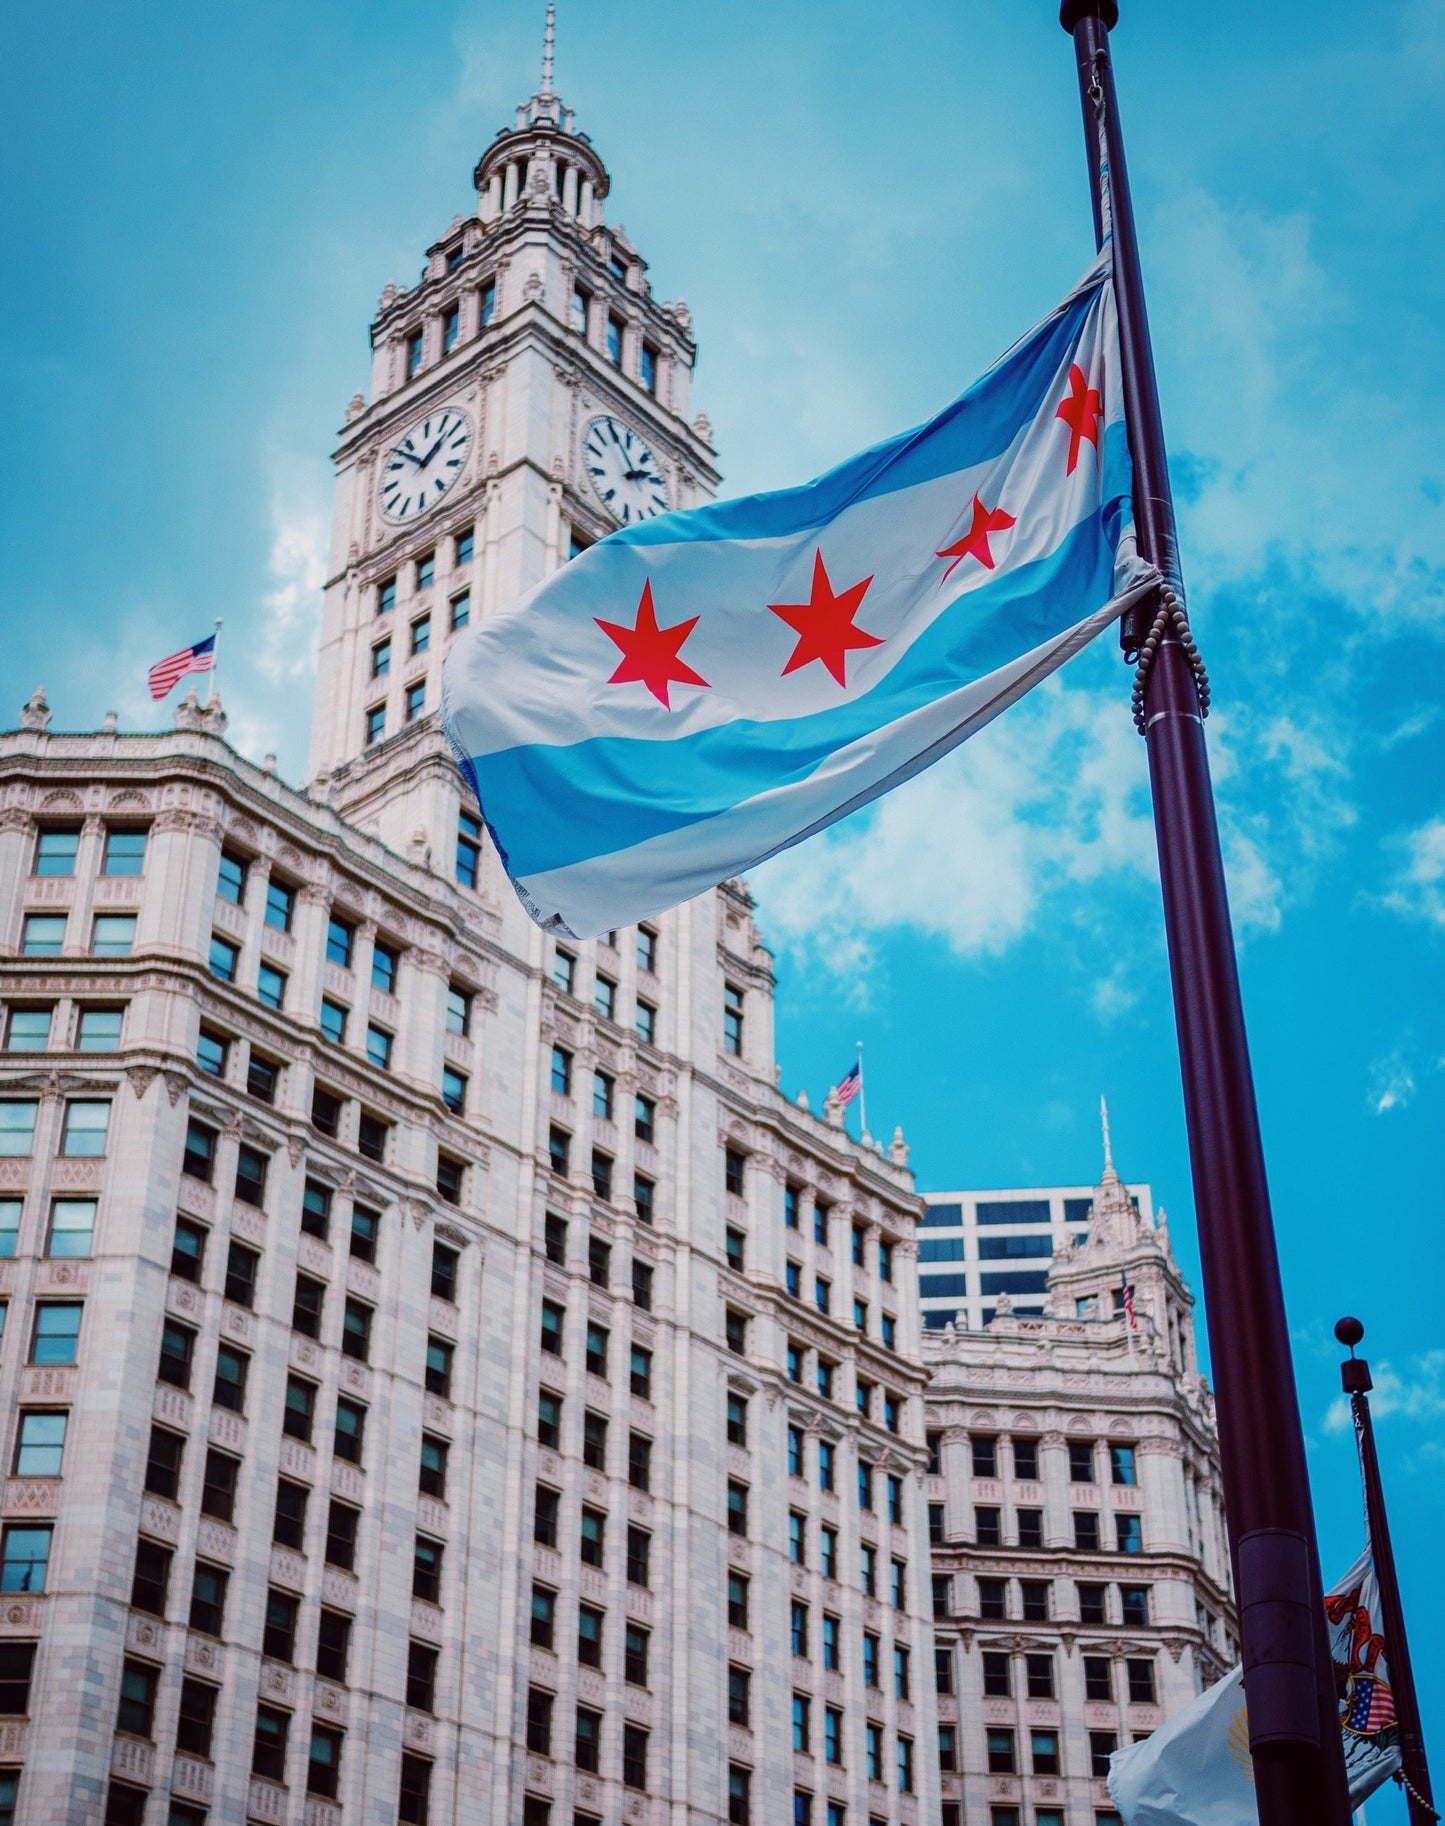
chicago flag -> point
(704, 689)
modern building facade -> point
(1081, 1586)
(443, 1379)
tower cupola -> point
(542, 158)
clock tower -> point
(528, 395)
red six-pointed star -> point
(974, 543)
(650, 653)
(1081, 412)
(824, 624)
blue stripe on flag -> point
(620, 791)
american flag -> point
(848, 1089)
(198, 658)
(1129, 1312)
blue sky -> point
(201, 205)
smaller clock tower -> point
(529, 394)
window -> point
(288, 1524)
(549, 1420)
(178, 1342)
(992, 1600)
(900, 1672)
(125, 852)
(163, 1463)
(420, 636)
(593, 1537)
(376, 715)
(997, 1682)
(426, 1569)
(85, 1128)
(639, 1461)
(270, 986)
(740, 1697)
(1121, 1465)
(553, 1320)
(614, 341)
(797, 1537)
(832, 1639)
(365, 1225)
(559, 1150)
(793, 1280)
(892, 1413)
(137, 1698)
(55, 852)
(544, 1616)
(413, 1805)
(112, 935)
(454, 1090)
(459, 1011)
(801, 1723)
(604, 996)
(734, 1245)
(895, 1501)
(1035, 1594)
(644, 1196)
(639, 1555)
(1081, 1461)
(539, 1722)
(1141, 1683)
(832, 1735)
(868, 1570)
(44, 934)
(1086, 1530)
(439, 1355)
(460, 610)
(151, 1578)
(544, 1516)
(644, 1022)
(737, 1601)
(601, 1176)
(17, 1128)
(195, 1724)
(735, 1328)
(469, 849)
(985, 1456)
(822, 1293)
(905, 1765)
(380, 667)
(28, 1029)
(1091, 1604)
(278, 1634)
(432, 1474)
(603, 1088)
(898, 1585)
(827, 1462)
(99, 1029)
(795, 1451)
(187, 1249)
(71, 1222)
(262, 1078)
(798, 1627)
(218, 1491)
(740, 1812)
(1044, 1752)
(350, 1430)
(444, 1264)
(1040, 1672)
(589, 1635)
(1128, 1534)
(40, 1444)
(229, 1388)
(594, 1441)
(641, 1372)
(316, 1209)
(947, 1748)
(873, 1752)
(250, 1175)
(333, 1021)
(1102, 1745)
(1026, 1460)
(828, 1552)
(732, 1020)
(299, 1414)
(943, 1669)
(1002, 1757)
(378, 1046)
(737, 1508)
(1098, 1683)
(449, 1178)
(268, 1749)
(421, 1676)
(340, 939)
(865, 1484)
(10, 1209)
(306, 1305)
(208, 1598)
(599, 1261)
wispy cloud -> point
(1392, 1083)
(1417, 1392)
(1417, 888)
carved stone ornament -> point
(140, 1078)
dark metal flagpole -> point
(1355, 1379)
(1293, 1711)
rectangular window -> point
(732, 1020)
(644, 1191)
(593, 1538)
(1044, 1752)
(544, 1617)
(299, 1414)
(10, 1210)
(421, 1676)
(614, 341)
(323, 1765)
(1128, 1534)
(350, 1433)
(604, 996)
(55, 852)
(870, 1659)
(163, 1463)
(151, 1580)
(587, 1740)
(735, 1328)
(229, 1388)
(1035, 1594)
(270, 986)
(178, 1343)
(639, 1556)
(1039, 1670)
(828, 1552)
(1086, 1531)
(72, 1221)
(28, 1029)
(997, 1674)
(44, 934)
(868, 1570)
(1081, 1461)
(426, 1570)
(83, 1135)
(421, 634)
(900, 1672)
(376, 719)
(378, 1046)
(801, 1724)
(451, 328)
(218, 1491)
(639, 1461)
(288, 1524)
(340, 939)
(601, 1176)
(1141, 1683)
(278, 1631)
(740, 1682)
(195, 1727)
(734, 1171)
(544, 1516)
(263, 1076)
(539, 1722)
(1002, 1756)
(549, 1420)
(553, 1321)
(460, 610)
(947, 1748)
(1031, 1527)
(641, 1373)
(603, 1088)
(599, 1261)
(737, 1601)
(865, 1484)
(268, 1747)
(943, 1669)
(589, 1635)
(644, 1022)
(798, 1628)
(1098, 1683)
(895, 1501)
(1121, 1465)
(306, 1305)
(40, 1444)
(371, 1134)
(208, 1598)
(647, 367)
(559, 1151)
(125, 852)
(1091, 1604)
(737, 1508)
(1102, 1745)
(381, 666)
(438, 1375)
(136, 1715)
(98, 1029)
(734, 1247)
(432, 1472)
(985, 1456)
(797, 1537)
(468, 859)
(365, 1228)
(594, 1441)
(873, 1752)
(898, 1587)
(987, 1527)
(634, 1757)
(992, 1600)
(832, 1641)
(17, 1128)
(449, 1178)
(251, 1166)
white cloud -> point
(1392, 1084)
(1417, 889)
(1416, 1393)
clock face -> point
(626, 476)
(418, 471)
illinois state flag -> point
(701, 690)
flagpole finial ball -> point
(1349, 1332)
(1072, 11)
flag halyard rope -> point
(1170, 610)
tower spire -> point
(1108, 1149)
(549, 41)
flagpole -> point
(1293, 1712)
(212, 690)
(862, 1095)
(1356, 1380)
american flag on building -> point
(164, 675)
(849, 1086)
